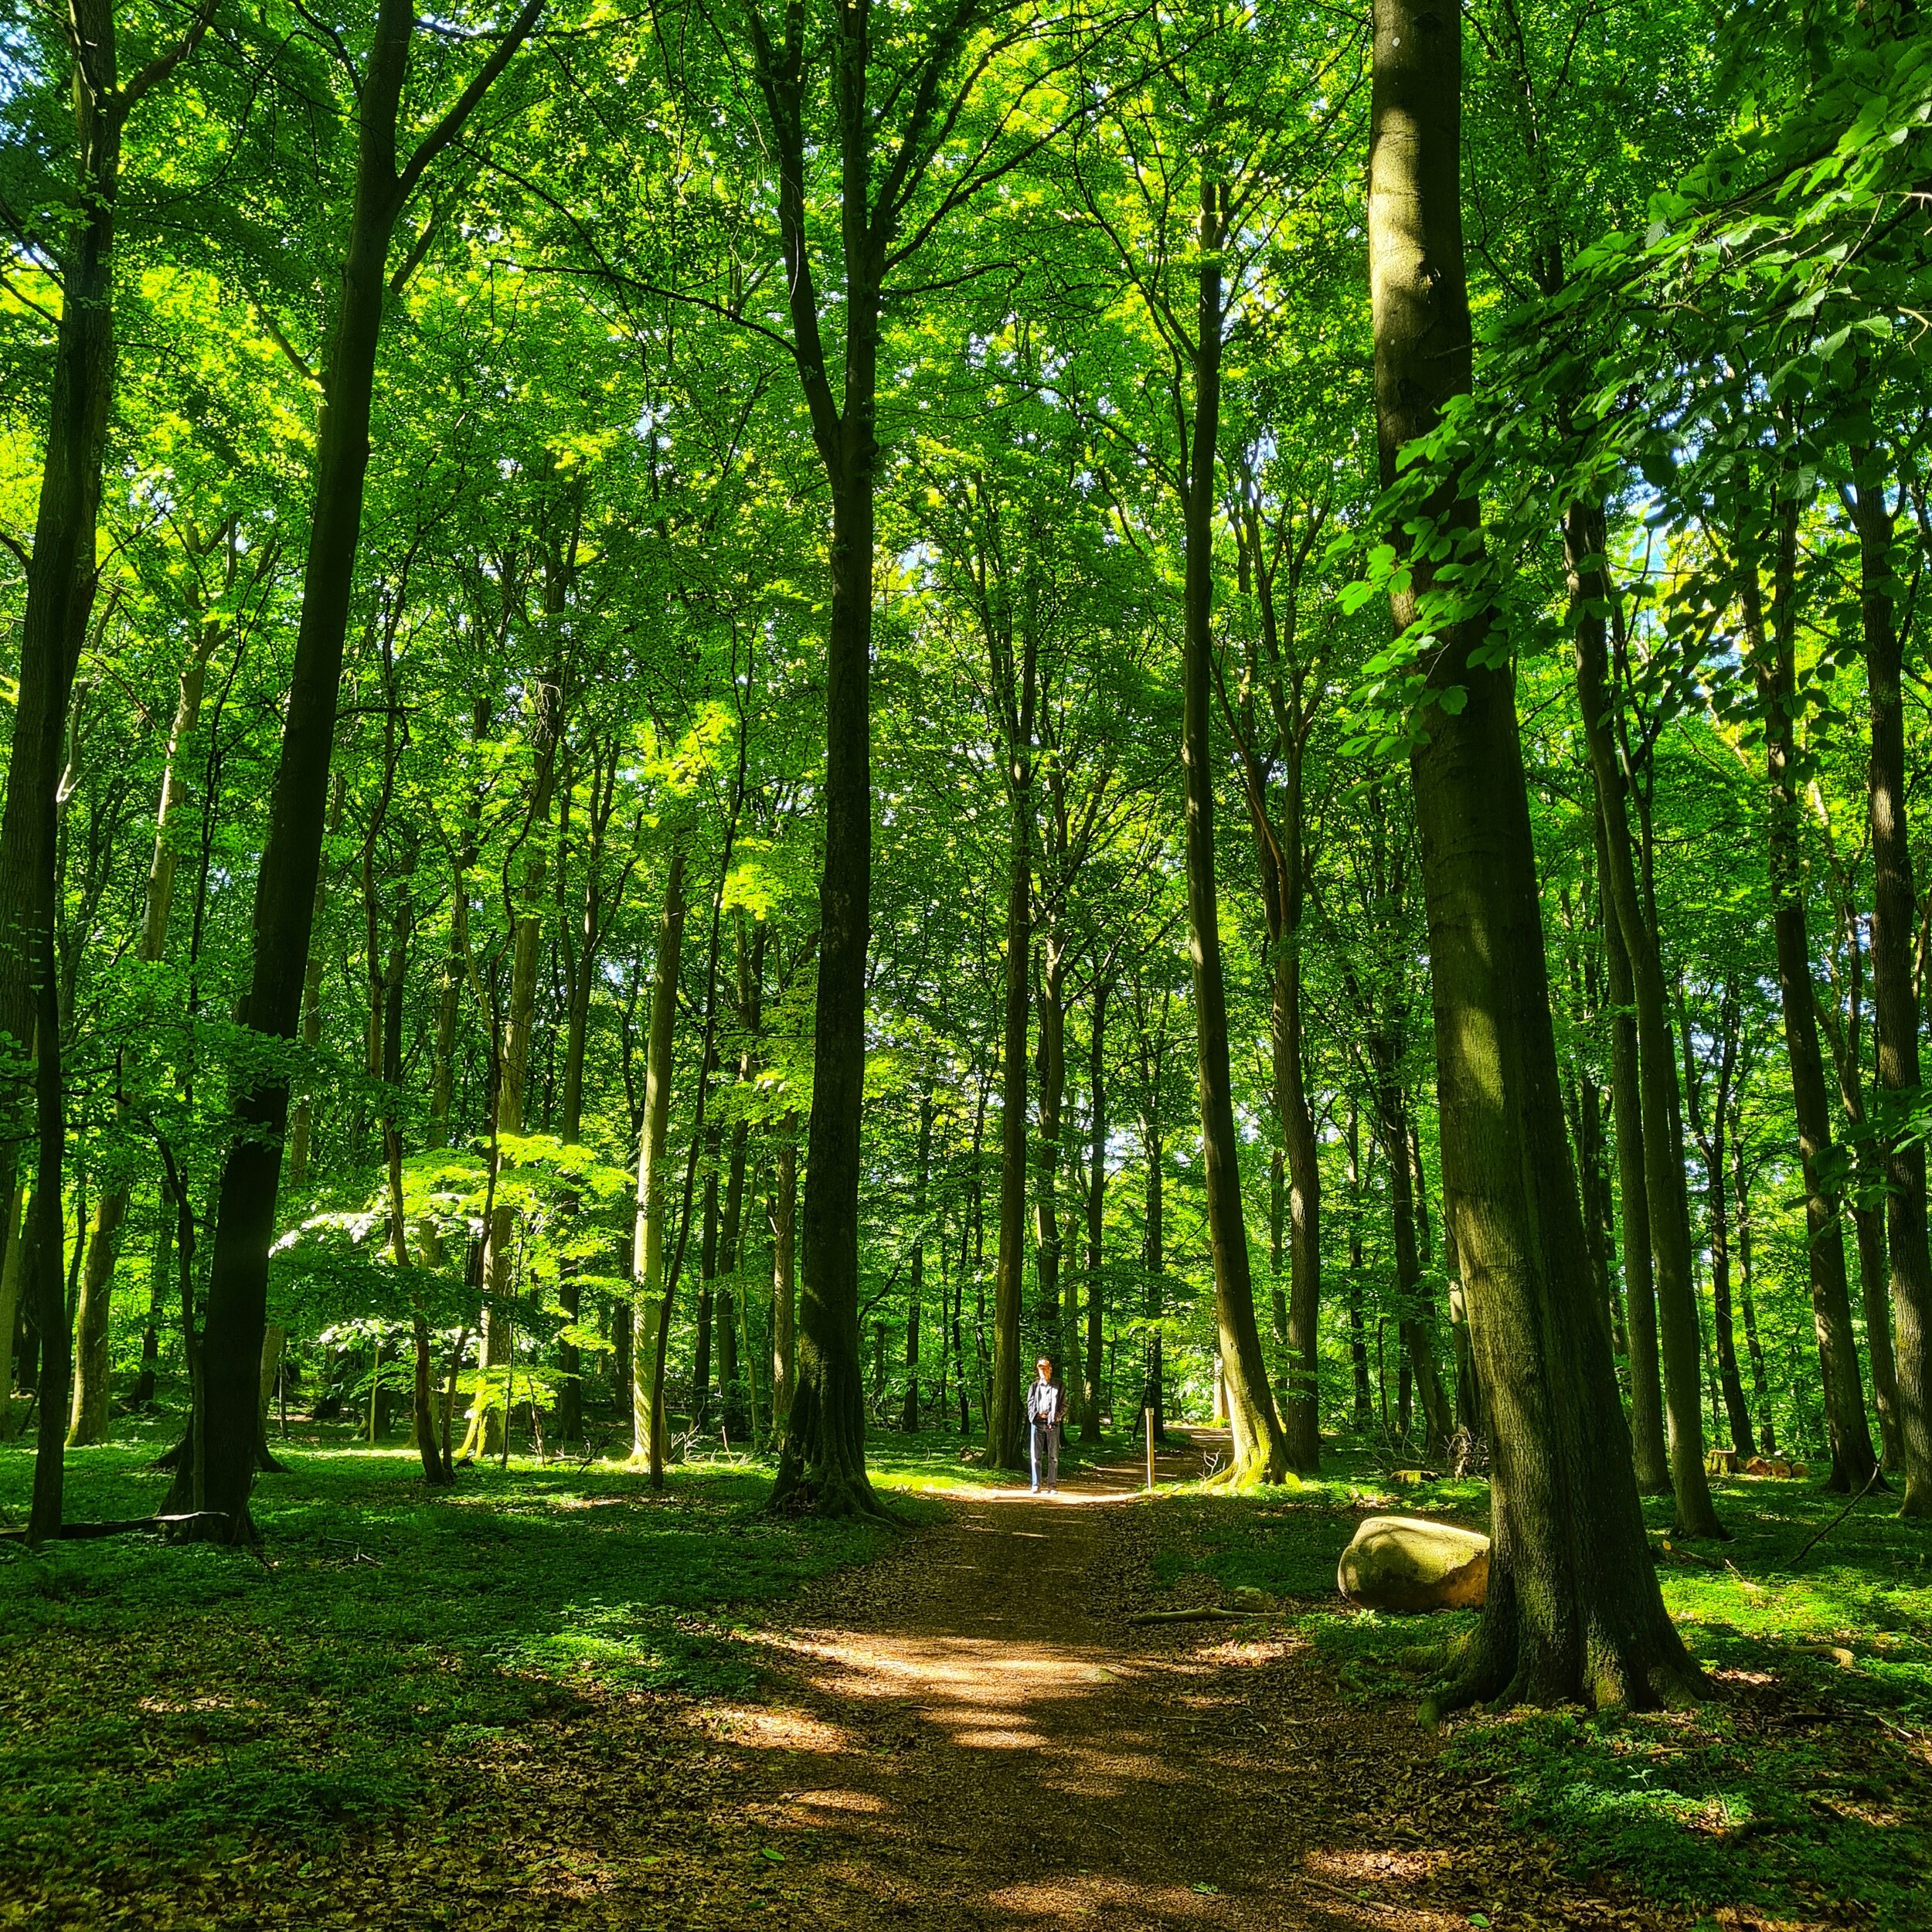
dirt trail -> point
(969, 1734)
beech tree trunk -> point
(1895, 997)
(88, 1422)
(1573, 1613)
(784, 1210)
(1053, 1098)
(916, 1274)
(1853, 1461)
(1640, 1298)
(649, 1432)
(1668, 1201)
(1004, 1418)
(1259, 1450)
(285, 888)
(1089, 1416)
(1362, 1416)
(61, 577)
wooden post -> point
(1147, 1417)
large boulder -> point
(1411, 1563)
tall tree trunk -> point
(1300, 1420)
(649, 1434)
(731, 1370)
(1573, 1612)
(512, 1080)
(62, 578)
(916, 1276)
(707, 1276)
(1005, 1421)
(784, 1211)
(1089, 1416)
(1052, 1096)
(1852, 1460)
(1640, 1322)
(1760, 1381)
(1259, 1450)
(302, 1127)
(1153, 1265)
(88, 1422)
(1894, 901)
(1363, 1415)
(285, 888)
(1666, 1196)
(1412, 1313)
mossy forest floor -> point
(553, 1698)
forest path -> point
(968, 1733)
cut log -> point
(1414, 1563)
(86, 1531)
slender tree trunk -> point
(1362, 1416)
(649, 1432)
(302, 1127)
(1052, 1096)
(88, 1422)
(731, 1368)
(1646, 1384)
(1573, 1612)
(916, 1276)
(285, 888)
(784, 1211)
(1096, 1218)
(1300, 1417)
(61, 578)
(1849, 1435)
(707, 1275)
(1154, 1262)
(1259, 1450)
(1760, 1381)
(1412, 1311)
(824, 1455)
(1005, 1421)
(1895, 995)
(1664, 1193)
(512, 1082)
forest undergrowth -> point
(1802, 1789)
(533, 1691)
(199, 1736)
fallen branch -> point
(1207, 1614)
(1836, 1520)
(86, 1531)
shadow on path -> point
(982, 1741)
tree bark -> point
(1089, 1416)
(1053, 1098)
(1573, 1612)
(649, 1432)
(1895, 994)
(1665, 1197)
(62, 579)
(88, 1422)
(1259, 1450)
(1640, 1320)
(285, 890)
(528, 919)
(784, 1213)
(1853, 1461)
(1363, 1415)
(1005, 1421)
(916, 1275)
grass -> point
(1804, 1787)
(166, 1707)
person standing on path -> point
(1044, 1402)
